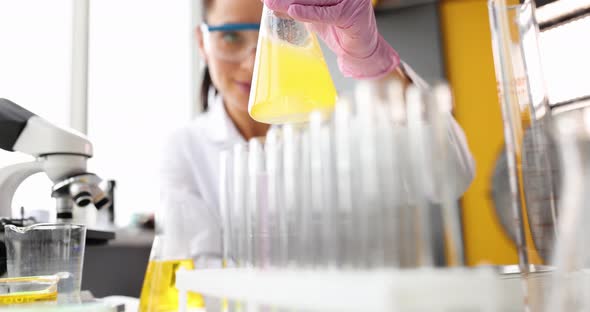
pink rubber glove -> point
(349, 28)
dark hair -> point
(207, 83)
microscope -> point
(61, 154)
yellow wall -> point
(470, 69)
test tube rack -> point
(424, 289)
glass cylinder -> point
(531, 159)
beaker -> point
(48, 249)
(291, 78)
(28, 290)
(531, 155)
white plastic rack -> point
(464, 290)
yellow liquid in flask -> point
(290, 82)
(159, 293)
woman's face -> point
(232, 79)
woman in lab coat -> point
(227, 42)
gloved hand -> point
(349, 28)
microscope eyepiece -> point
(83, 199)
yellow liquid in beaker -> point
(26, 290)
(290, 82)
(27, 297)
(159, 293)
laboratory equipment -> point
(539, 195)
(89, 307)
(343, 160)
(226, 209)
(239, 210)
(60, 153)
(420, 290)
(358, 189)
(569, 286)
(443, 173)
(533, 174)
(171, 251)
(27, 290)
(292, 194)
(257, 216)
(48, 249)
(277, 227)
(291, 78)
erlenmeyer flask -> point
(291, 78)
(170, 253)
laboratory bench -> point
(118, 268)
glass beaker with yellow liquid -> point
(28, 290)
(170, 252)
(291, 78)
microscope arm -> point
(10, 179)
(13, 120)
(25, 132)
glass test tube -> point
(441, 105)
(225, 208)
(257, 210)
(276, 211)
(369, 210)
(292, 195)
(420, 176)
(239, 204)
(344, 202)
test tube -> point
(228, 218)
(239, 212)
(389, 179)
(239, 203)
(225, 207)
(321, 190)
(401, 252)
(440, 104)
(317, 187)
(291, 244)
(306, 225)
(344, 202)
(276, 212)
(257, 209)
(369, 210)
(420, 177)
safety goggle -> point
(230, 42)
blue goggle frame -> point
(233, 27)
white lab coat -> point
(191, 164)
(190, 168)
